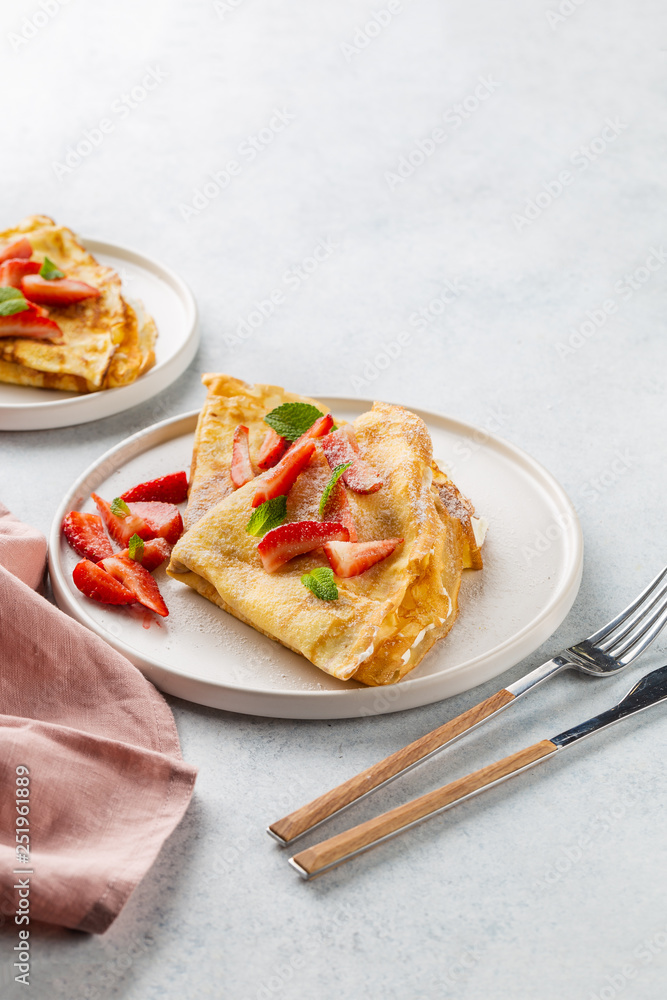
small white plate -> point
(533, 562)
(171, 304)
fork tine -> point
(638, 643)
(607, 629)
(653, 604)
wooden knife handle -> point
(326, 805)
(331, 852)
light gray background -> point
(496, 899)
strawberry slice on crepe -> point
(274, 445)
(338, 509)
(273, 448)
(282, 477)
(352, 558)
(57, 291)
(319, 429)
(20, 248)
(14, 270)
(289, 540)
(20, 318)
(341, 447)
(241, 468)
(318, 495)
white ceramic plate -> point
(168, 300)
(533, 562)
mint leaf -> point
(7, 292)
(119, 507)
(12, 301)
(291, 420)
(13, 306)
(321, 582)
(49, 270)
(10, 306)
(335, 476)
(136, 547)
(267, 516)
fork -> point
(650, 690)
(602, 654)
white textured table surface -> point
(542, 297)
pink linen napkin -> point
(106, 780)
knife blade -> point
(650, 690)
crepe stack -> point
(386, 619)
(107, 342)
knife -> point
(650, 690)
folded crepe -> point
(385, 619)
(107, 341)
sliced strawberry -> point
(241, 470)
(156, 550)
(92, 581)
(282, 477)
(86, 535)
(340, 447)
(57, 292)
(20, 248)
(148, 519)
(163, 520)
(348, 431)
(338, 509)
(290, 540)
(353, 558)
(31, 323)
(169, 489)
(121, 529)
(16, 268)
(272, 450)
(319, 429)
(39, 310)
(137, 580)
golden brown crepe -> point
(107, 343)
(229, 402)
(385, 619)
(462, 509)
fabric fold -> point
(107, 783)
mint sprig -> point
(291, 420)
(136, 548)
(119, 507)
(267, 516)
(12, 301)
(49, 270)
(7, 292)
(335, 476)
(321, 583)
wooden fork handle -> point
(287, 829)
(314, 860)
